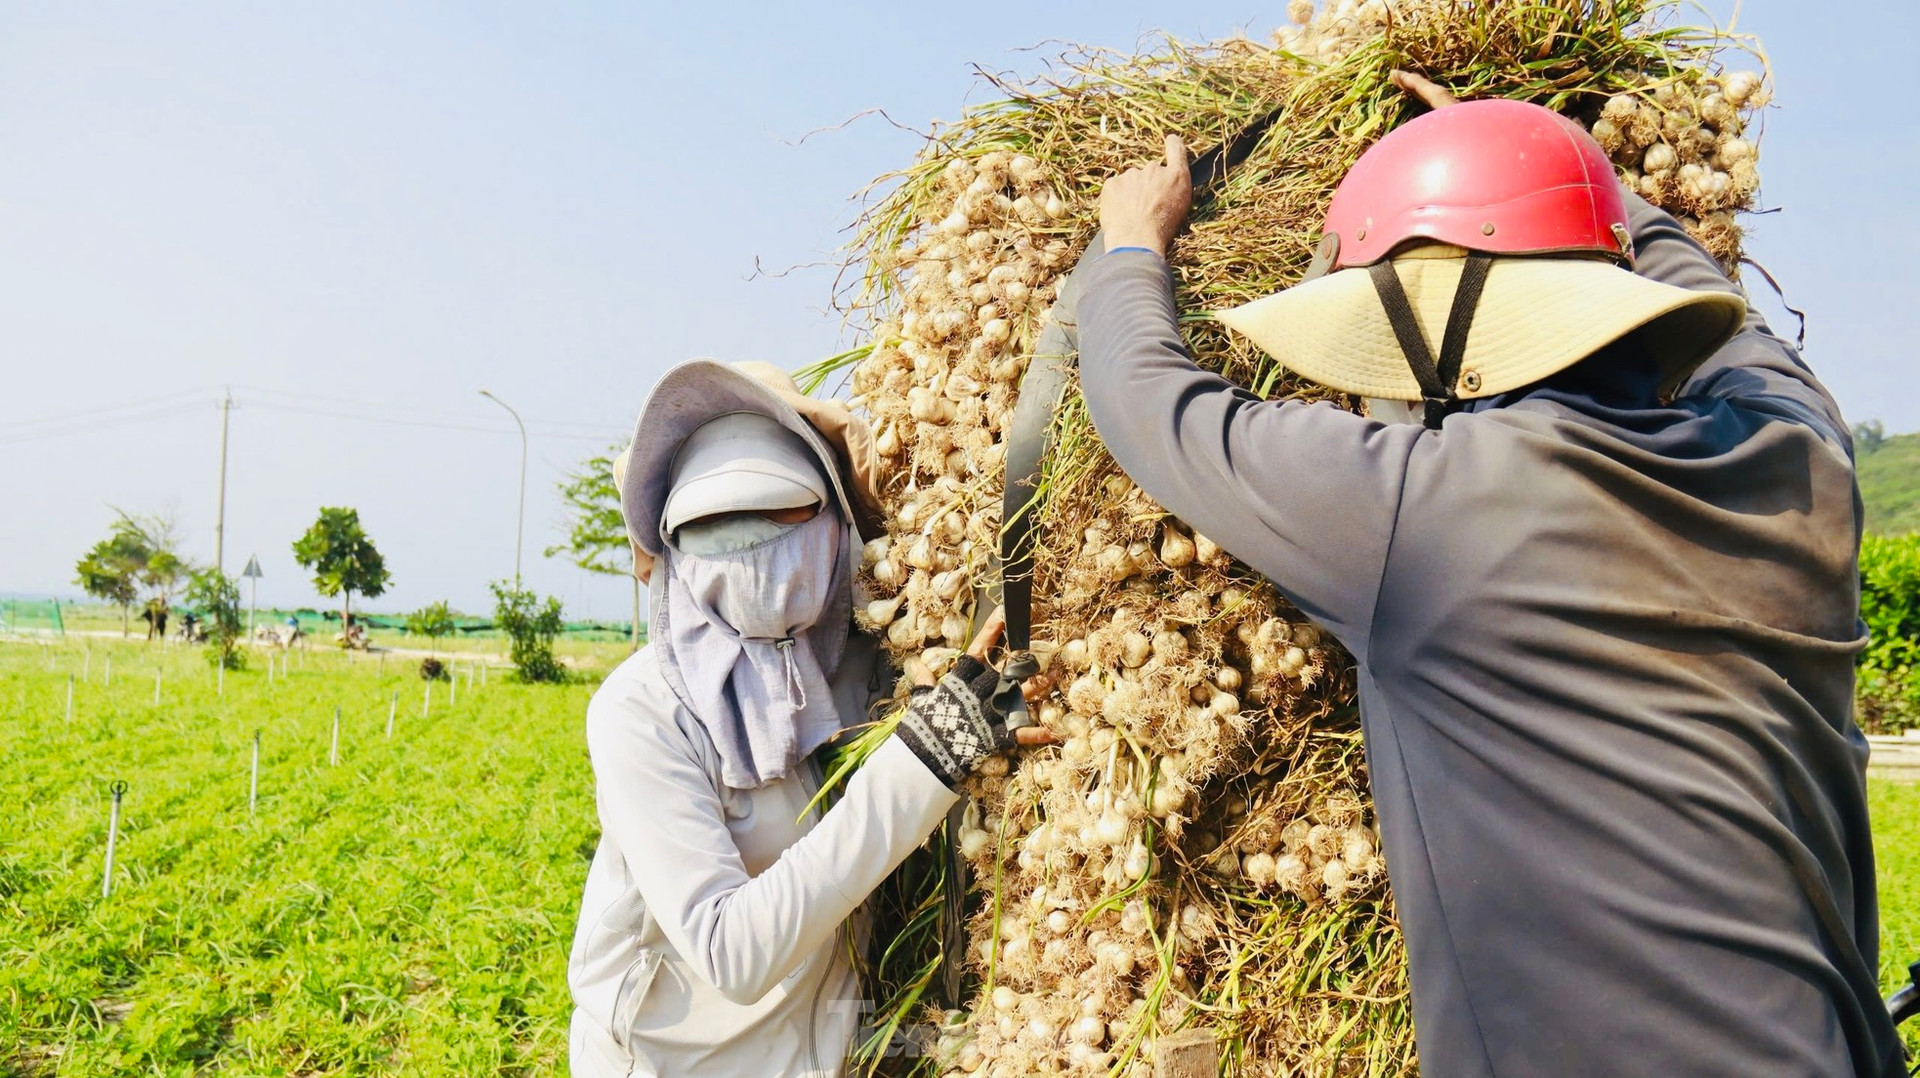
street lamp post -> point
(520, 523)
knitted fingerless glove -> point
(952, 725)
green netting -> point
(31, 616)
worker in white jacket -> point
(708, 941)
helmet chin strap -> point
(1436, 380)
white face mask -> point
(727, 534)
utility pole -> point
(520, 523)
(220, 522)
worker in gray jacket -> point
(710, 930)
(1594, 553)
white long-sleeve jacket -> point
(708, 930)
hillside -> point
(1890, 483)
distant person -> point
(710, 936)
(156, 618)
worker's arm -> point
(1755, 369)
(1306, 494)
(743, 934)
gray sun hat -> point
(686, 399)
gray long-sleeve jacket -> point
(708, 937)
(1606, 668)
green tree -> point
(138, 553)
(109, 572)
(217, 597)
(432, 621)
(531, 625)
(596, 531)
(342, 559)
(164, 570)
(1868, 437)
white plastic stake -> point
(118, 788)
(483, 675)
(393, 705)
(426, 702)
(69, 697)
(253, 783)
(453, 690)
(86, 668)
(156, 689)
(107, 678)
(333, 754)
(469, 677)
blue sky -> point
(356, 214)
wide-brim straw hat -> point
(691, 394)
(1537, 316)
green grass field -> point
(407, 911)
(1896, 842)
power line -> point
(428, 424)
(96, 426)
(465, 417)
(131, 413)
(171, 400)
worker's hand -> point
(1424, 89)
(1145, 206)
(951, 724)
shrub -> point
(218, 598)
(432, 669)
(1888, 693)
(532, 625)
(432, 621)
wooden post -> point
(1188, 1053)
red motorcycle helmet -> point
(1497, 231)
(1499, 177)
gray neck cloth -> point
(753, 622)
